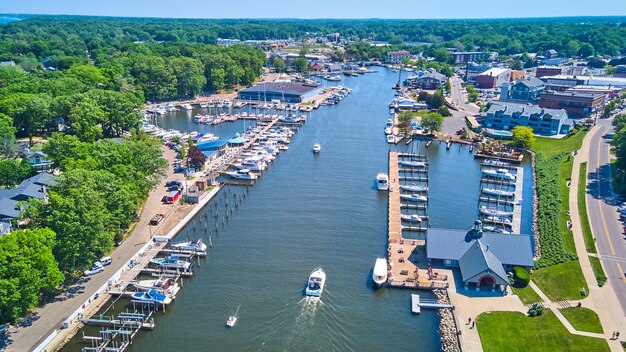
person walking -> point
(469, 321)
(617, 335)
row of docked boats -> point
(497, 196)
(338, 95)
(168, 134)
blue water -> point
(312, 210)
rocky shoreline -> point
(535, 227)
(447, 324)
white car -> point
(96, 268)
(105, 261)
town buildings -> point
(397, 57)
(505, 116)
(288, 92)
(525, 90)
(542, 71)
(463, 57)
(494, 77)
(428, 80)
(577, 104)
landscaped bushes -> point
(552, 246)
(522, 277)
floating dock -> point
(417, 304)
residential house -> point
(577, 104)
(525, 90)
(38, 160)
(505, 116)
(10, 199)
(551, 53)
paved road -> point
(456, 122)
(603, 215)
(50, 317)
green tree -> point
(586, 50)
(300, 64)
(516, 65)
(27, 270)
(8, 148)
(443, 111)
(432, 122)
(12, 172)
(33, 116)
(89, 75)
(189, 74)
(523, 136)
(86, 118)
(279, 65)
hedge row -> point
(553, 249)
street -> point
(452, 124)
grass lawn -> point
(582, 209)
(526, 294)
(583, 319)
(562, 281)
(514, 331)
(597, 270)
(551, 146)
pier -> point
(406, 258)
(418, 303)
(510, 202)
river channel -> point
(307, 211)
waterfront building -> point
(525, 90)
(493, 77)
(286, 92)
(505, 116)
(483, 258)
(428, 80)
(397, 57)
(463, 57)
(577, 104)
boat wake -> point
(308, 308)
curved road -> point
(602, 211)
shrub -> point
(532, 313)
(540, 310)
(522, 277)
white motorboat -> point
(334, 78)
(391, 138)
(411, 218)
(315, 285)
(172, 263)
(494, 212)
(380, 272)
(497, 220)
(204, 105)
(252, 164)
(228, 103)
(499, 174)
(414, 188)
(161, 284)
(232, 320)
(243, 174)
(388, 130)
(382, 181)
(190, 246)
(419, 164)
(317, 148)
(414, 197)
(170, 108)
(493, 162)
(186, 106)
(498, 192)
(152, 296)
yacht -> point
(161, 284)
(186, 106)
(170, 108)
(251, 165)
(152, 296)
(315, 286)
(498, 192)
(499, 173)
(494, 212)
(243, 174)
(412, 163)
(497, 220)
(190, 246)
(380, 272)
(414, 188)
(414, 197)
(228, 103)
(172, 263)
(333, 78)
(411, 218)
(382, 181)
(317, 148)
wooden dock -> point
(517, 207)
(417, 304)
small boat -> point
(448, 144)
(317, 148)
(186, 106)
(494, 212)
(315, 285)
(414, 197)
(152, 296)
(500, 174)
(382, 181)
(243, 174)
(429, 143)
(161, 284)
(471, 148)
(498, 192)
(204, 105)
(333, 78)
(388, 130)
(232, 320)
(412, 163)
(414, 188)
(380, 272)
(172, 262)
(411, 218)
(497, 220)
(494, 162)
(391, 138)
(190, 246)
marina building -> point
(286, 92)
(577, 104)
(484, 258)
(505, 116)
(428, 80)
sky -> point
(417, 9)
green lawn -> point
(562, 281)
(514, 331)
(582, 209)
(597, 270)
(551, 146)
(583, 319)
(526, 294)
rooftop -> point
(525, 109)
(531, 82)
(495, 71)
(286, 87)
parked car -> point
(96, 268)
(105, 261)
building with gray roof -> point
(484, 258)
(526, 90)
(289, 92)
(505, 116)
